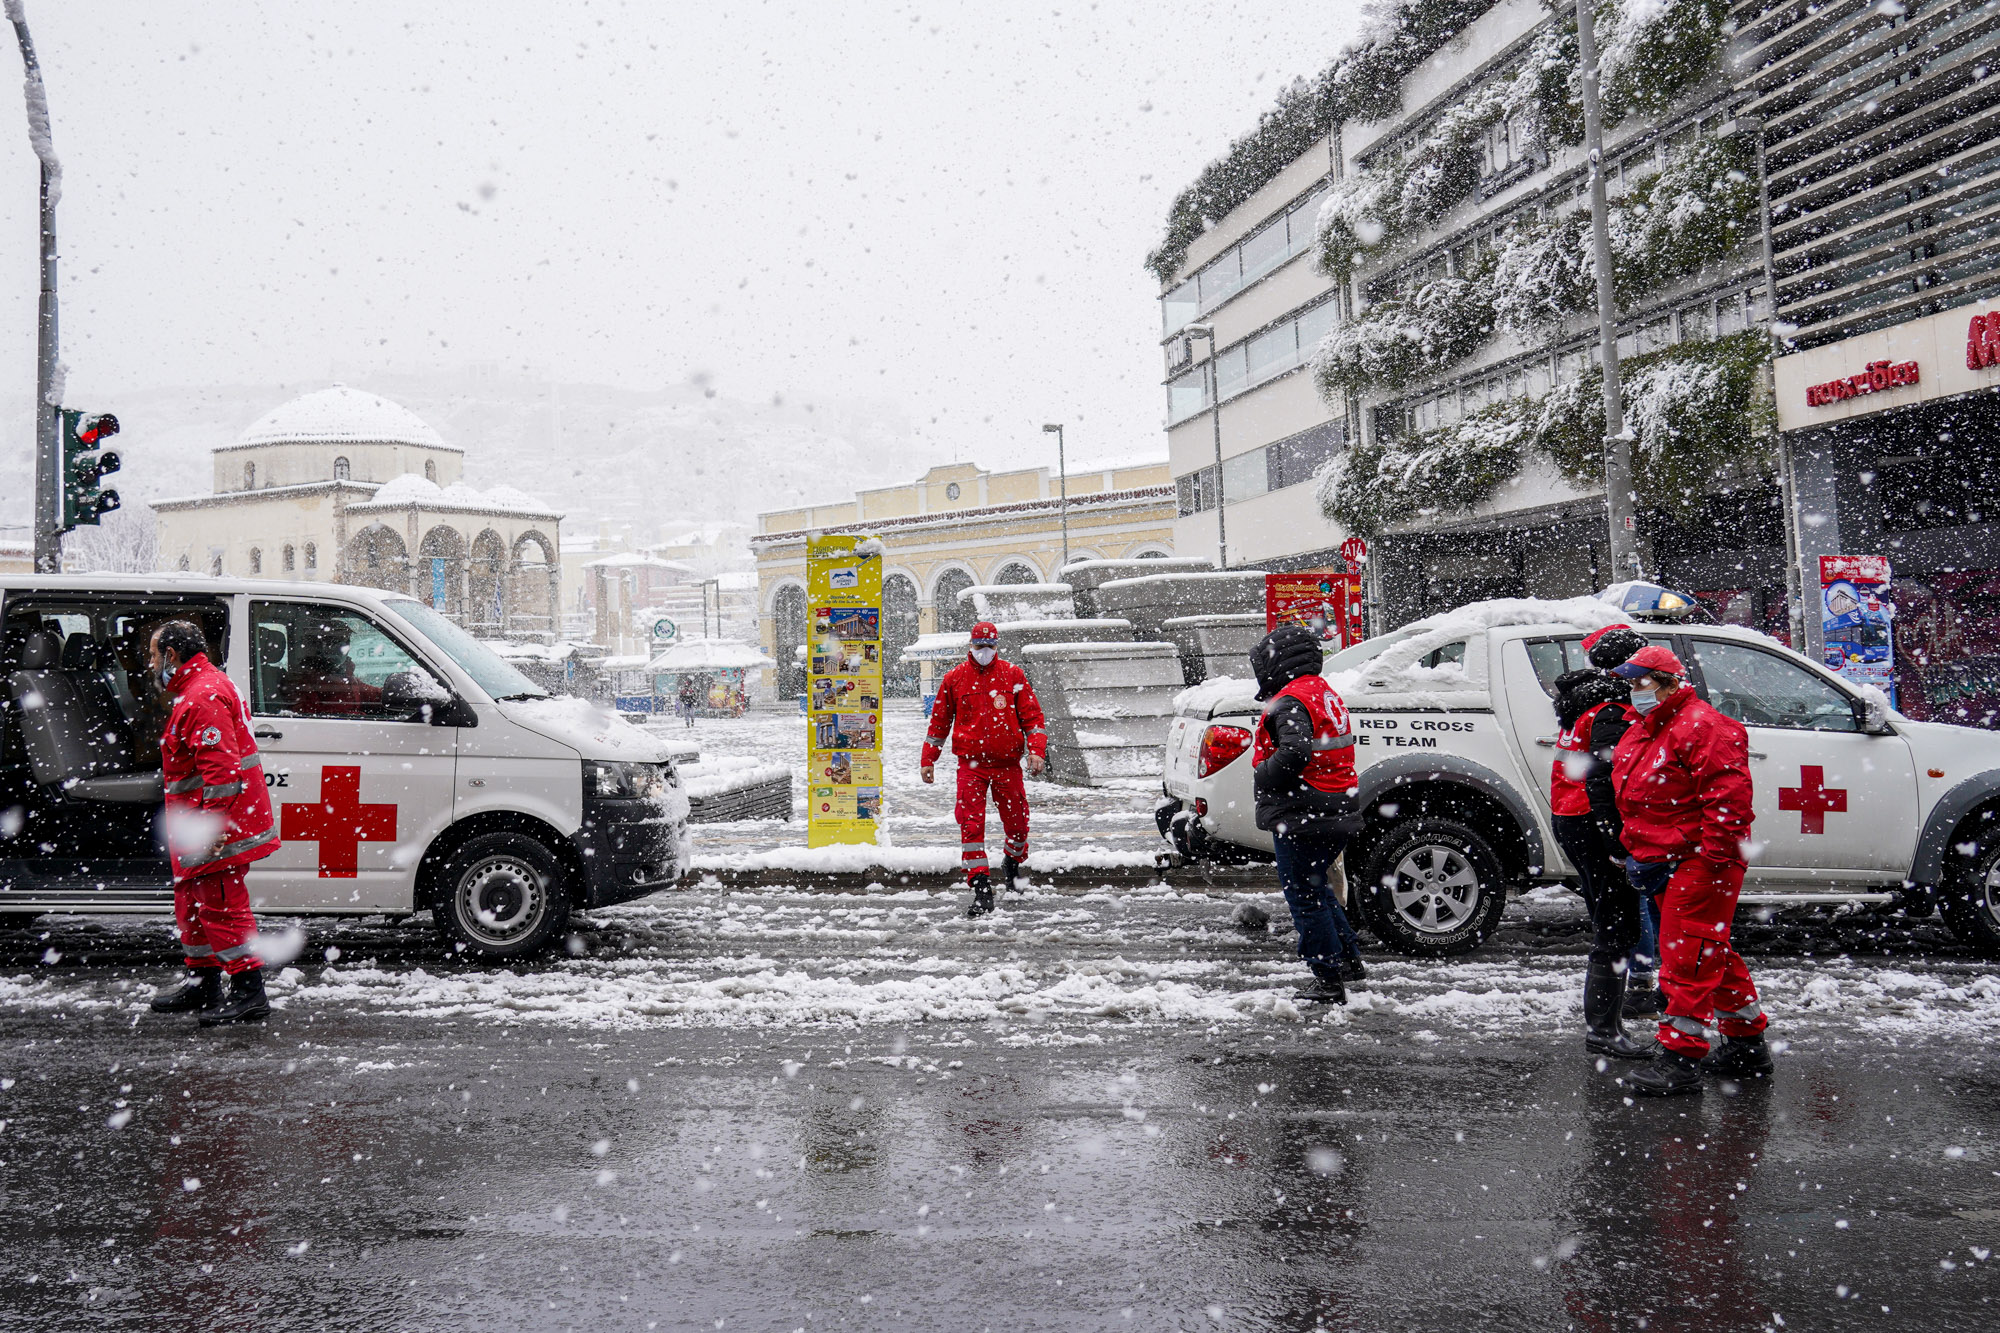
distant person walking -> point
(1682, 779)
(218, 820)
(1593, 711)
(989, 710)
(687, 699)
(1305, 791)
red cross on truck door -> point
(339, 822)
(1813, 799)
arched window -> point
(341, 469)
(312, 553)
(430, 469)
(249, 476)
(291, 558)
(256, 560)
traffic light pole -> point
(48, 441)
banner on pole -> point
(1857, 622)
(1325, 601)
(843, 690)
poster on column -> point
(843, 690)
(1326, 601)
(1857, 620)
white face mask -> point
(985, 656)
(1645, 701)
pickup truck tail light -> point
(1220, 747)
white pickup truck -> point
(1455, 726)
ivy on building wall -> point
(1363, 84)
(1396, 341)
(1450, 469)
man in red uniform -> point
(1682, 778)
(991, 714)
(218, 821)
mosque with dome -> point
(343, 485)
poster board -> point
(843, 690)
(1326, 601)
(1857, 621)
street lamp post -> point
(1062, 474)
(48, 446)
(1215, 405)
(1618, 498)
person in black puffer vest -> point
(1305, 785)
(1593, 710)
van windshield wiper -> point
(509, 698)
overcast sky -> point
(944, 207)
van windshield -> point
(487, 668)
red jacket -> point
(214, 775)
(1566, 791)
(1682, 776)
(990, 712)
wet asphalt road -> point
(1097, 1111)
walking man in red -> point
(218, 821)
(991, 714)
(1681, 775)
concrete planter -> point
(1214, 645)
(1108, 706)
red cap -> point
(1651, 658)
(1590, 639)
(985, 632)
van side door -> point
(360, 779)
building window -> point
(215, 565)
(256, 560)
(291, 558)
(1298, 458)
(341, 470)
(1195, 493)
(1289, 234)
(312, 553)
(1245, 477)
(430, 469)
(249, 476)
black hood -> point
(1285, 654)
(1577, 692)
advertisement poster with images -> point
(843, 690)
(1857, 619)
(1325, 601)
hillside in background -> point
(604, 456)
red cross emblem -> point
(339, 822)
(1812, 798)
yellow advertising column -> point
(843, 689)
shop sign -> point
(1982, 342)
(1879, 377)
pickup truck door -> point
(1530, 668)
(1829, 796)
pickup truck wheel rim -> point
(1989, 895)
(1435, 889)
(499, 900)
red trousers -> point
(213, 912)
(1702, 976)
(1009, 793)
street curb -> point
(1065, 881)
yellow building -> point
(957, 527)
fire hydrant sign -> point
(843, 690)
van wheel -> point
(501, 896)
(1432, 887)
(1971, 901)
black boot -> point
(1353, 973)
(201, 990)
(1642, 998)
(982, 897)
(1325, 988)
(1010, 872)
(1738, 1057)
(1665, 1075)
(1603, 1033)
(246, 1002)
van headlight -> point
(611, 780)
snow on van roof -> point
(1397, 665)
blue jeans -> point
(1644, 960)
(1325, 937)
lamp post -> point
(1618, 498)
(1062, 474)
(1215, 405)
(48, 445)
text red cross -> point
(1812, 798)
(339, 822)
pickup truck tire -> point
(1970, 901)
(1431, 887)
(502, 896)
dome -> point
(408, 489)
(341, 415)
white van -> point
(410, 767)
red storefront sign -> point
(1879, 377)
(1982, 341)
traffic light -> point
(84, 466)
